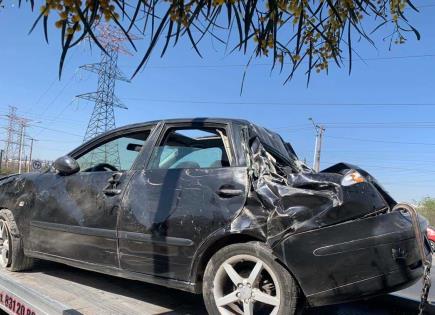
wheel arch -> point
(21, 221)
(18, 260)
(16, 229)
(209, 248)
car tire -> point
(432, 245)
(260, 282)
(12, 255)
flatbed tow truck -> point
(52, 288)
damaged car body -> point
(218, 206)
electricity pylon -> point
(103, 115)
(15, 142)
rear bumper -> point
(353, 260)
(381, 284)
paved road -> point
(415, 291)
(93, 293)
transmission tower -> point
(103, 114)
(15, 139)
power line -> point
(380, 159)
(57, 130)
(57, 141)
(46, 118)
(426, 6)
(383, 127)
(219, 66)
(374, 152)
(414, 183)
(58, 94)
(268, 103)
(365, 126)
(46, 91)
(396, 168)
(51, 129)
(380, 123)
(58, 115)
(52, 84)
(382, 141)
(400, 168)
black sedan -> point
(214, 206)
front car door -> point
(75, 216)
(192, 185)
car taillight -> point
(430, 233)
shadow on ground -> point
(154, 299)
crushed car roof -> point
(187, 120)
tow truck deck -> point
(52, 288)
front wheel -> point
(246, 279)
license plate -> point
(13, 305)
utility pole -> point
(10, 144)
(30, 154)
(20, 152)
(318, 145)
(1, 159)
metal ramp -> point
(18, 299)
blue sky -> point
(394, 142)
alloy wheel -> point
(5, 245)
(244, 284)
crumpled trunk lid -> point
(296, 202)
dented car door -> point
(74, 220)
(192, 186)
(75, 216)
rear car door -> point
(192, 186)
(75, 216)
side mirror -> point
(66, 165)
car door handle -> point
(111, 191)
(111, 188)
(225, 192)
(114, 180)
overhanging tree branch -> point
(289, 31)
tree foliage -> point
(426, 207)
(288, 31)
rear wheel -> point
(11, 246)
(247, 279)
(432, 245)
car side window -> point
(116, 154)
(192, 148)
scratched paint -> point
(337, 240)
